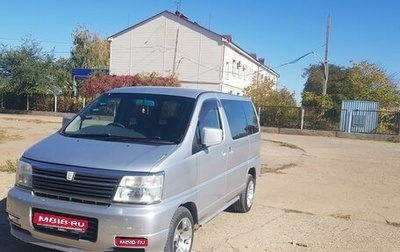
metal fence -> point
(41, 102)
(345, 120)
(352, 121)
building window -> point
(234, 68)
(245, 72)
(239, 68)
(226, 71)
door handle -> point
(227, 150)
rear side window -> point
(251, 117)
(242, 118)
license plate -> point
(61, 223)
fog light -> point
(131, 242)
(14, 219)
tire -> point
(181, 230)
(245, 202)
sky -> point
(280, 31)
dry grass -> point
(341, 216)
(10, 166)
(5, 137)
(277, 170)
(2, 134)
(394, 224)
(37, 121)
(284, 144)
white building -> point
(169, 43)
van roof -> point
(177, 91)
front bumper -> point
(150, 222)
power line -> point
(299, 58)
(41, 41)
(293, 61)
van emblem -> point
(70, 175)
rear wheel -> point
(181, 229)
(246, 199)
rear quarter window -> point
(242, 119)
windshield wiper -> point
(157, 139)
(97, 136)
(106, 137)
(110, 137)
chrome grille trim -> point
(89, 186)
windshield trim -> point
(167, 109)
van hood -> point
(59, 149)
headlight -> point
(24, 174)
(140, 189)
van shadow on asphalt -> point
(9, 243)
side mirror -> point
(211, 136)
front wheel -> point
(181, 230)
(246, 199)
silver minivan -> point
(139, 168)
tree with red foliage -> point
(98, 83)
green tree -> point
(27, 70)
(89, 50)
(63, 75)
(3, 89)
(263, 94)
(370, 82)
(312, 92)
(361, 81)
(277, 107)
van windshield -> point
(133, 117)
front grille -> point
(89, 235)
(88, 186)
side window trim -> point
(214, 105)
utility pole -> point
(175, 50)
(326, 62)
(178, 10)
(178, 6)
